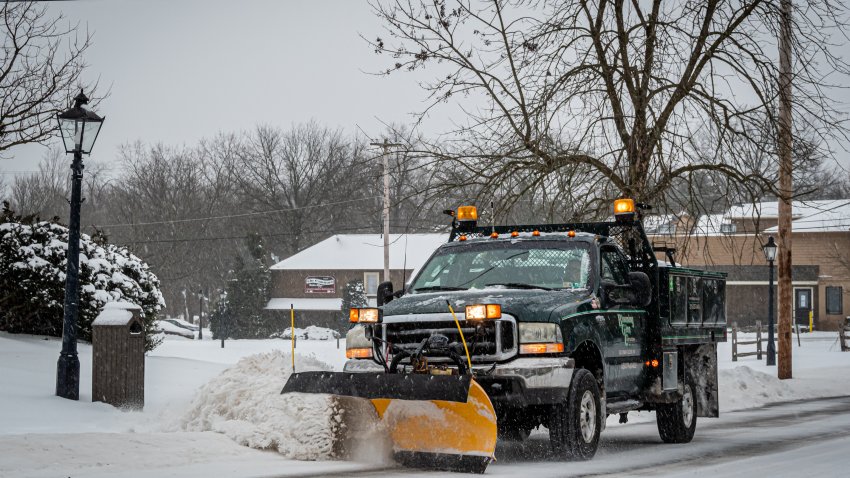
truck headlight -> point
(483, 311)
(540, 338)
(364, 316)
(356, 343)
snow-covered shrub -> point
(32, 280)
(311, 332)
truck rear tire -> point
(574, 426)
(678, 421)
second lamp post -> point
(769, 250)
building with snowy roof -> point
(313, 280)
(732, 241)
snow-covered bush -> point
(311, 332)
(32, 279)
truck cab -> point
(563, 325)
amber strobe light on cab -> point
(483, 311)
(364, 316)
(467, 213)
(624, 208)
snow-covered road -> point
(791, 439)
(743, 443)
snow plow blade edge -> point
(449, 388)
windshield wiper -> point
(437, 287)
(520, 285)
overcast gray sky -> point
(181, 70)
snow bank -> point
(245, 404)
(743, 387)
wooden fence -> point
(757, 342)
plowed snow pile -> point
(245, 404)
(743, 387)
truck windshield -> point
(521, 265)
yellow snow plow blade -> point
(437, 422)
(442, 434)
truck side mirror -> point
(613, 294)
(385, 293)
(642, 288)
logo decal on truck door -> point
(627, 326)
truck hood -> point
(526, 305)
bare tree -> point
(310, 174)
(163, 209)
(42, 64)
(44, 192)
(592, 99)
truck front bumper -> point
(518, 383)
(529, 381)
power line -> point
(231, 216)
(224, 238)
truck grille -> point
(493, 340)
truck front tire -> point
(574, 426)
(678, 421)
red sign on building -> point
(319, 285)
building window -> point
(668, 229)
(370, 283)
(728, 228)
(834, 300)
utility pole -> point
(386, 147)
(786, 191)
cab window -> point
(527, 264)
(613, 266)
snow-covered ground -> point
(187, 390)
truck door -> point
(626, 326)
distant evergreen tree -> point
(220, 320)
(354, 295)
(242, 314)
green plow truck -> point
(559, 325)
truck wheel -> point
(574, 426)
(678, 421)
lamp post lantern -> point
(79, 128)
(769, 250)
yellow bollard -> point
(292, 332)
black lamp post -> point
(79, 128)
(769, 250)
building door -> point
(802, 306)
